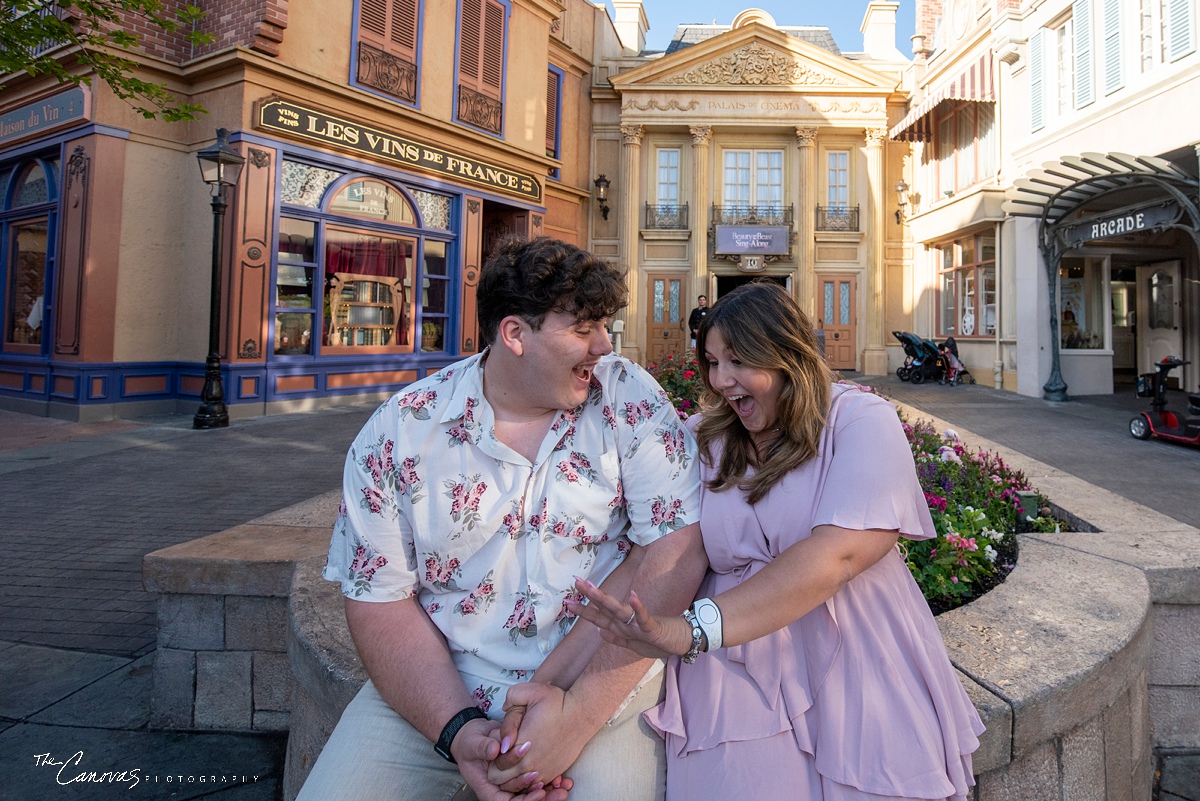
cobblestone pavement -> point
(81, 505)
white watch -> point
(708, 615)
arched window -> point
(26, 228)
(359, 275)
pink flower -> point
(688, 374)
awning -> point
(974, 84)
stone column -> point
(874, 357)
(701, 200)
(628, 200)
(806, 197)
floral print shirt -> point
(434, 505)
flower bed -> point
(975, 500)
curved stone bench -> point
(1063, 661)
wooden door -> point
(1158, 314)
(664, 316)
(836, 315)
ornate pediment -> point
(756, 64)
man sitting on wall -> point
(471, 501)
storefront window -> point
(27, 283)
(304, 185)
(369, 289)
(33, 188)
(968, 287)
(435, 285)
(435, 209)
(1081, 304)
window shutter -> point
(390, 26)
(1037, 100)
(1181, 38)
(492, 74)
(551, 113)
(1081, 13)
(403, 34)
(1112, 46)
(372, 22)
(468, 43)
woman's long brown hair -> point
(764, 328)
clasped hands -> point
(538, 736)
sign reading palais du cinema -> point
(295, 120)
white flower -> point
(947, 454)
(990, 553)
(951, 434)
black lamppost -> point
(220, 165)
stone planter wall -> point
(1081, 663)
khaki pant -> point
(375, 755)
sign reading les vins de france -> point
(294, 120)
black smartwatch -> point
(450, 731)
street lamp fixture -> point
(220, 166)
(602, 185)
(901, 200)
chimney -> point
(631, 24)
(879, 31)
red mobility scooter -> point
(1159, 421)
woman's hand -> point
(629, 625)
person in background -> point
(810, 665)
(471, 501)
(697, 316)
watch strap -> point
(697, 636)
(452, 728)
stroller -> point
(953, 371)
(925, 360)
(921, 359)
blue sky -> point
(842, 17)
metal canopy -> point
(1061, 188)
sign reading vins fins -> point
(295, 120)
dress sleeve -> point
(371, 553)
(660, 477)
(871, 480)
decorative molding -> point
(249, 350)
(75, 223)
(259, 158)
(537, 221)
(806, 137)
(847, 107)
(254, 253)
(473, 206)
(756, 65)
(701, 134)
(876, 136)
(653, 103)
(556, 26)
(632, 134)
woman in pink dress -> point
(810, 667)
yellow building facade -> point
(756, 153)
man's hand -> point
(540, 716)
(475, 747)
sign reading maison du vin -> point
(1134, 220)
(291, 119)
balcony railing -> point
(667, 218)
(385, 72)
(479, 110)
(837, 218)
(751, 215)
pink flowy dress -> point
(855, 700)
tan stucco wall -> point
(166, 235)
